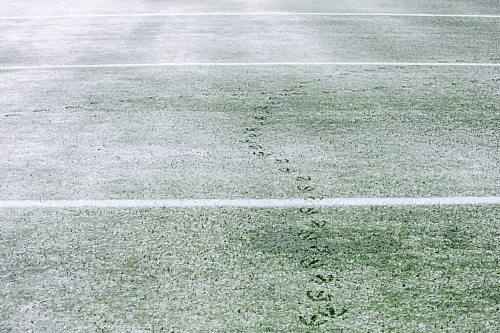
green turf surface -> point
(164, 133)
(248, 39)
(47, 7)
(247, 132)
(402, 269)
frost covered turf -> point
(249, 132)
(247, 270)
(46, 7)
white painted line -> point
(43, 17)
(249, 203)
(249, 64)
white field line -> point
(249, 203)
(249, 64)
(69, 16)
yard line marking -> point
(249, 203)
(36, 17)
(248, 64)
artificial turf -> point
(249, 132)
(407, 269)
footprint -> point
(306, 188)
(318, 295)
(322, 278)
(311, 263)
(330, 312)
(287, 170)
(313, 320)
(262, 154)
(308, 235)
(255, 146)
(318, 223)
(246, 141)
(309, 211)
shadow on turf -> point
(298, 243)
(375, 246)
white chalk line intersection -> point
(248, 203)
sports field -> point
(249, 166)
